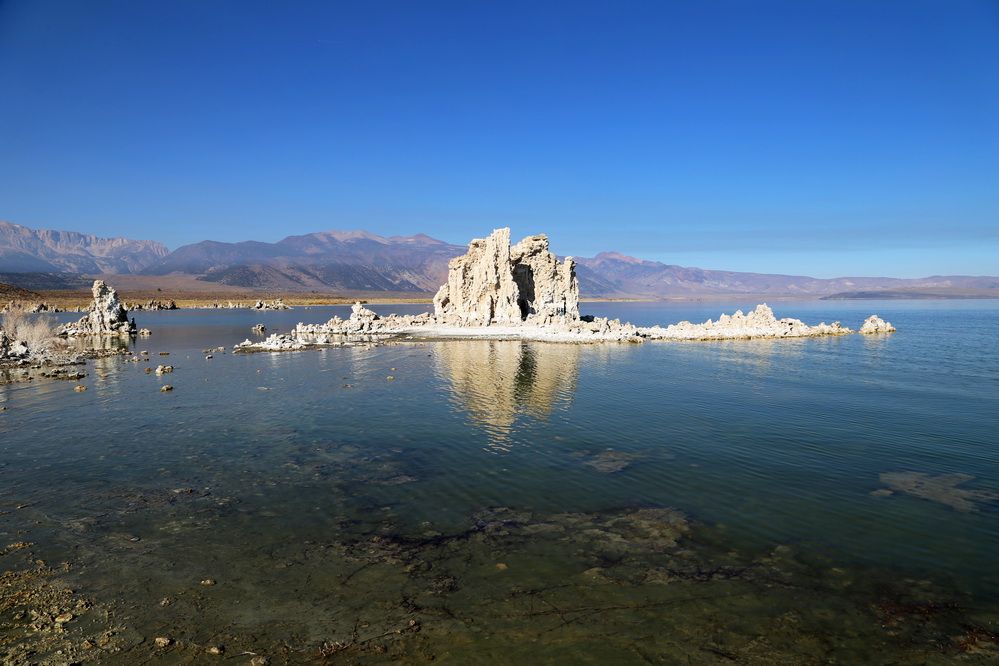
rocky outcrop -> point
(760, 323)
(107, 315)
(494, 283)
(524, 292)
(153, 305)
(11, 349)
(275, 342)
(875, 325)
(364, 321)
(276, 304)
(33, 308)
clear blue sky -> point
(817, 137)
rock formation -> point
(875, 324)
(523, 292)
(153, 305)
(494, 283)
(11, 349)
(760, 323)
(276, 304)
(107, 315)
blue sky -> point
(825, 138)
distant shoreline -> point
(71, 299)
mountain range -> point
(361, 261)
(24, 250)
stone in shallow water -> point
(874, 325)
(943, 489)
(610, 461)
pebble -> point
(208, 582)
(64, 618)
(500, 566)
(166, 387)
(79, 388)
(259, 660)
(163, 641)
(390, 378)
(216, 649)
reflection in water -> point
(495, 380)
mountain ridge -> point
(358, 260)
(23, 250)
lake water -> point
(505, 502)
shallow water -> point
(506, 501)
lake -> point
(774, 501)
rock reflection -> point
(495, 381)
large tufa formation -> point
(107, 315)
(494, 283)
(523, 292)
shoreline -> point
(78, 300)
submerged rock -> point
(874, 325)
(107, 315)
(943, 489)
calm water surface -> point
(479, 501)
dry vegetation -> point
(38, 330)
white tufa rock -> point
(276, 342)
(523, 292)
(494, 283)
(11, 349)
(107, 315)
(874, 325)
(276, 304)
(760, 323)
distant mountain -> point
(339, 260)
(358, 261)
(24, 250)
(610, 273)
(9, 292)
